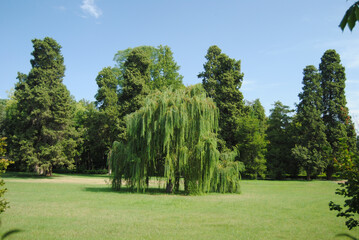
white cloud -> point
(89, 7)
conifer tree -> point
(43, 133)
(222, 79)
(311, 145)
(336, 118)
(279, 160)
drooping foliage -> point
(173, 135)
(338, 123)
(40, 131)
(252, 143)
(222, 79)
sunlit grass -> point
(264, 210)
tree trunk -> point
(177, 183)
(147, 181)
(169, 188)
(329, 171)
(308, 175)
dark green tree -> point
(251, 135)
(136, 82)
(42, 133)
(336, 119)
(348, 166)
(279, 135)
(2, 115)
(94, 148)
(222, 79)
(311, 144)
(109, 111)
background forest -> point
(47, 130)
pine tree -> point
(222, 79)
(311, 145)
(336, 118)
(43, 134)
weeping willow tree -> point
(174, 136)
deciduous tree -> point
(251, 135)
(180, 126)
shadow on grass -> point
(24, 175)
(149, 191)
(346, 235)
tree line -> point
(47, 129)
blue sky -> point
(274, 40)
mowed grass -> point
(84, 207)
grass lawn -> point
(84, 207)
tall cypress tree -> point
(312, 144)
(222, 79)
(335, 112)
(44, 132)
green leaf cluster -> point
(174, 136)
(348, 165)
(351, 16)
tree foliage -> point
(351, 16)
(40, 130)
(222, 79)
(338, 124)
(348, 166)
(4, 163)
(174, 135)
(311, 144)
(163, 69)
(279, 135)
(251, 135)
